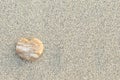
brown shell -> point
(29, 49)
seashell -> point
(29, 49)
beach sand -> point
(81, 39)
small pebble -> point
(29, 49)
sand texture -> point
(81, 39)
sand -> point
(81, 39)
